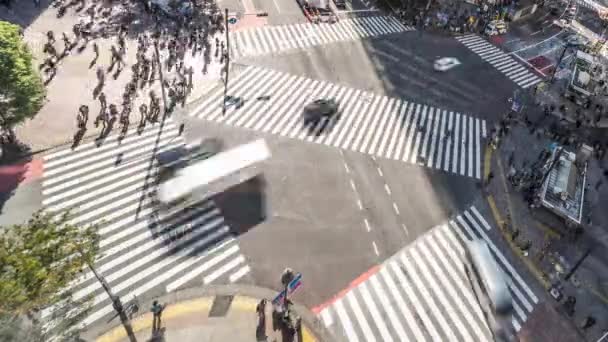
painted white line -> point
(375, 248)
(240, 273)
(352, 185)
(407, 232)
(535, 44)
(360, 204)
(380, 172)
(367, 226)
(388, 190)
(396, 208)
(346, 168)
(327, 319)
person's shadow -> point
(158, 335)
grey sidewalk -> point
(210, 314)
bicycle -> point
(132, 307)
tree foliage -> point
(38, 259)
(21, 89)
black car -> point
(318, 109)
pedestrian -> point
(143, 114)
(157, 311)
(490, 177)
(588, 322)
(66, 42)
(50, 36)
(96, 52)
(83, 112)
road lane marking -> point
(407, 232)
(375, 248)
(380, 172)
(352, 185)
(396, 208)
(346, 167)
(360, 204)
(388, 190)
(369, 228)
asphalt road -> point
(401, 65)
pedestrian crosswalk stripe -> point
(368, 123)
(274, 39)
(141, 248)
(423, 293)
(500, 60)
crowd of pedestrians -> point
(160, 59)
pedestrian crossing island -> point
(423, 293)
(142, 248)
(269, 101)
(281, 38)
(500, 60)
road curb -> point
(498, 218)
(200, 300)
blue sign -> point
(232, 20)
(516, 106)
(291, 287)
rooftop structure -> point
(564, 188)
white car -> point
(446, 63)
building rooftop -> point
(564, 189)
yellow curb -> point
(242, 303)
(307, 336)
(495, 211)
(487, 162)
(200, 305)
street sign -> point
(232, 20)
(291, 288)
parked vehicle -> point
(496, 27)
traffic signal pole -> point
(227, 61)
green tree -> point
(38, 260)
(21, 89)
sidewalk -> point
(212, 314)
(552, 251)
(75, 81)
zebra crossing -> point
(142, 248)
(592, 5)
(280, 38)
(423, 293)
(500, 60)
(368, 123)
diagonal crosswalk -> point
(368, 123)
(141, 248)
(423, 293)
(275, 39)
(500, 60)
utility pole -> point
(116, 304)
(226, 60)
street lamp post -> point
(226, 61)
(116, 304)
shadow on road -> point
(244, 205)
(13, 169)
